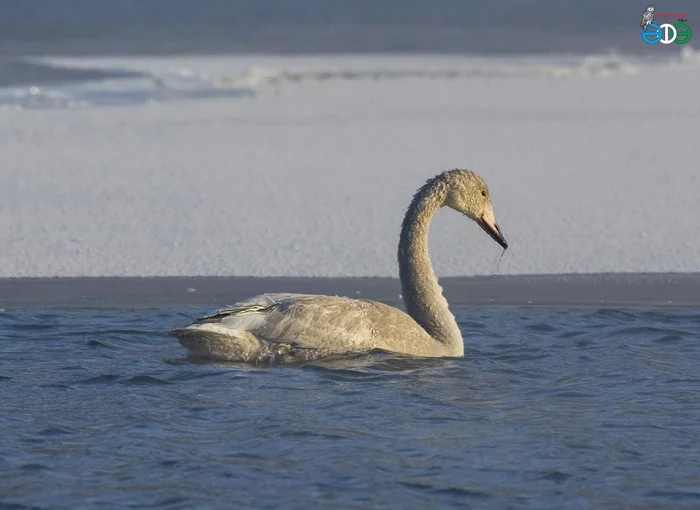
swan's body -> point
(302, 327)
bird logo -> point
(648, 16)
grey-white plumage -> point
(301, 327)
(648, 16)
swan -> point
(290, 327)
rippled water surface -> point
(550, 408)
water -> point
(551, 408)
(495, 274)
(322, 26)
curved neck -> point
(422, 294)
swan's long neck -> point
(422, 294)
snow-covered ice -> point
(304, 166)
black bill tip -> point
(494, 231)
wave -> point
(78, 86)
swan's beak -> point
(488, 223)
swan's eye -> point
(483, 193)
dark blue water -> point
(550, 408)
(325, 26)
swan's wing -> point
(257, 303)
(306, 321)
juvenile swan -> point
(302, 326)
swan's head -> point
(468, 193)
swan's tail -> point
(214, 341)
(236, 333)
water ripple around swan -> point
(101, 407)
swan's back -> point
(302, 326)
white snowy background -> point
(301, 166)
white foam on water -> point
(591, 169)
